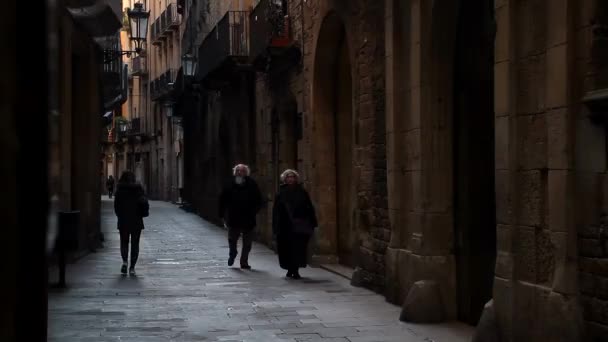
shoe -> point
(289, 274)
(246, 267)
(123, 269)
(230, 261)
(132, 271)
(296, 275)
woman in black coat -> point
(293, 223)
(130, 206)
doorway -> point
(474, 165)
(334, 135)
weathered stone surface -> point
(423, 303)
(559, 310)
(487, 329)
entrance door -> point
(474, 189)
(333, 140)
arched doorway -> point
(474, 163)
(333, 141)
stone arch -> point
(333, 139)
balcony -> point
(167, 22)
(135, 126)
(115, 73)
(138, 66)
(225, 47)
(98, 18)
(162, 86)
(272, 47)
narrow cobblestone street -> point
(184, 291)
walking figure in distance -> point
(239, 203)
(131, 206)
(110, 185)
(293, 223)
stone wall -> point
(292, 93)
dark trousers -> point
(233, 237)
(110, 192)
(124, 245)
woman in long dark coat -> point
(130, 206)
(293, 223)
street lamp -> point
(189, 65)
(138, 24)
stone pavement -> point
(184, 291)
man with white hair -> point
(240, 201)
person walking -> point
(130, 206)
(293, 223)
(239, 203)
(110, 185)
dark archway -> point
(333, 110)
(474, 164)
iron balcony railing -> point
(163, 85)
(229, 40)
(167, 21)
(269, 28)
(170, 18)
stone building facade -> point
(458, 142)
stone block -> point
(530, 186)
(557, 76)
(504, 200)
(530, 76)
(532, 141)
(558, 138)
(595, 309)
(423, 303)
(594, 266)
(415, 111)
(504, 238)
(502, 86)
(562, 318)
(590, 248)
(557, 22)
(393, 286)
(437, 268)
(566, 270)
(412, 149)
(501, 147)
(487, 328)
(527, 301)
(504, 265)
(503, 307)
(525, 254)
(503, 26)
(559, 198)
(545, 257)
